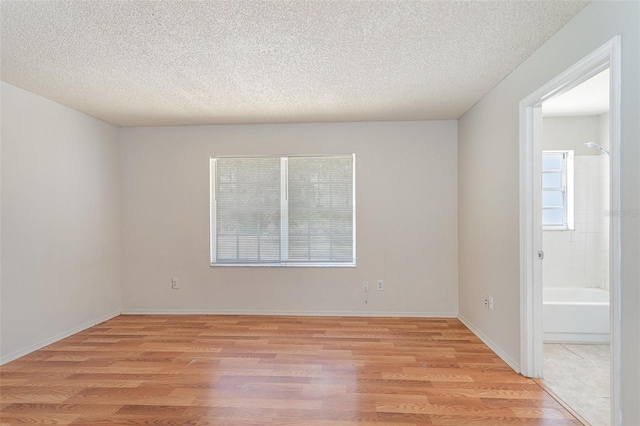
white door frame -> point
(531, 350)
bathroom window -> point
(557, 190)
(283, 211)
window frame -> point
(567, 189)
(284, 215)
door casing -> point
(531, 344)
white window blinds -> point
(557, 190)
(321, 209)
(247, 209)
(283, 211)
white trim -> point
(495, 348)
(288, 264)
(57, 337)
(213, 209)
(284, 217)
(615, 250)
(608, 55)
(530, 267)
(353, 194)
(134, 311)
(577, 338)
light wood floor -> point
(259, 370)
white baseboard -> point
(133, 311)
(57, 337)
(495, 348)
(576, 338)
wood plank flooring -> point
(268, 370)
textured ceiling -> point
(141, 63)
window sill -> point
(558, 228)
(287, 265)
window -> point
(283, 211)
(557, 190)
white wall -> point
(603, 128)
(60, 221)
(488, 179)
(406, 207)
(572, 133)
(580, 257)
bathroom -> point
(575, 238)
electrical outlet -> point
(491, 303)
(365, 286)
(175, 284)
(486, 301)
(380, 285)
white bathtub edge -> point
(576, 338)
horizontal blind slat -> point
(321, 208)
(248, 215)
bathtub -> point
(575, 315)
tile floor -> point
(579, 374)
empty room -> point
(319, 212)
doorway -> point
(535, 213)
(575, 243)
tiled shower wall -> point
(580, 258)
